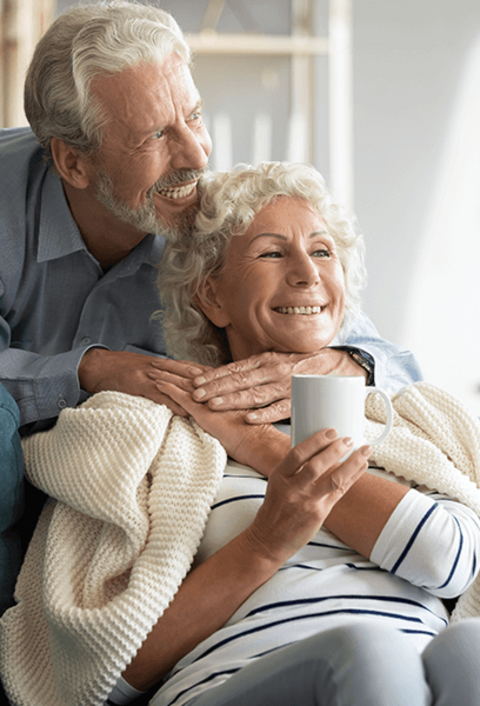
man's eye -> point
(157, 135)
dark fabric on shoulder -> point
(11, 497)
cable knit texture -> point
(133, 485)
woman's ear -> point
(71, 165)
(209, 301)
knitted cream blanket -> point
(435, 442)
(133, 487)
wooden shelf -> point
(213, 43)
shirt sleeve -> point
(395, 367)
(41, 385)
(431, 541)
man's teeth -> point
(177, 192)
(299, 309)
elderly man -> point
(83, 215)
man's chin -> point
(175, 227)
(168, 217)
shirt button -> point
(62, 403)
(86, 340)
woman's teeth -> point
(299, 309)
(177, 192)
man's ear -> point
(71, 165)
(210, 303)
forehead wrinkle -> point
(283, 237)
(144, 99)
(269, 235)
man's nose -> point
(190, 150)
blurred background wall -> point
(416, 153)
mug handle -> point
(388, 405)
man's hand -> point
(124, 371)
(263, 382)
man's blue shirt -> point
(56, 302)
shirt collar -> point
(148, 251)
(59, 235)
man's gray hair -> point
(91, 40)
(229, 202)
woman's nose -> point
(302, 271)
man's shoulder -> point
(21, 163)
(19, 142)
(358, 328)
(20, 153)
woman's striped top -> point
(427, 551)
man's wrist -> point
(87, 377)
(363, 359)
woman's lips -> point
(304, 310)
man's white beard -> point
(145, 218)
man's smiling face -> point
(155, 144)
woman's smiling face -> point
(282, 287)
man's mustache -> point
(181, 176)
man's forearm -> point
(395, 367)
(41, 385)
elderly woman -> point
(298, 595)
(157, 565)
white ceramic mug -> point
(333, 402)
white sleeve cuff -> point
(123, 693)
(399, 528)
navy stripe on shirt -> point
(237, 498)
(342, 596)
(413, 537)
(295, 618)
(457, 558)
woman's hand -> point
(260, 446)
(304, 486)
(302, 489)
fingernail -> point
(199, 381)
(366, 451)
(330, 433)
(216, 401)
(348, 441)
(195, 372)
(198, 394)
(251, 416)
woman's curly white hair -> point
(229, 201)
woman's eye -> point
(273, 254)
(323, 252)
